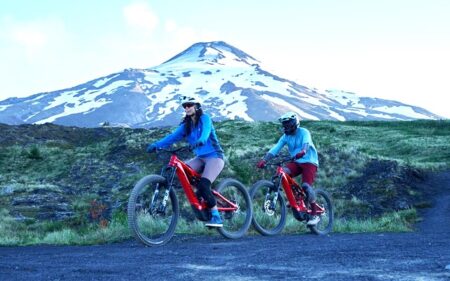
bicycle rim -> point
(152, 212)
(326, 222)
(235, 223)
(269, 215)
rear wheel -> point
(235, 223)
(269, 214)
(152, 211)
(325, 225)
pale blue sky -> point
(397, 49)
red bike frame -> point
(185, 175)
(287, 182)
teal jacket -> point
(301, 139)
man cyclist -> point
(302, 149)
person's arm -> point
(206, 129)
(303, 151)
(276, 149)
(172, 138)
(305, 144)
(272, 152)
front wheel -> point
(269, 212)
(326, 222)
(153, 211)
(237, 222)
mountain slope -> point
(230, 82)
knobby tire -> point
(326, 222)
(237, 223)
(266, 221)
(148, 226)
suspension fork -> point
(169, 174)
(276, 180)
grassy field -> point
(61, 185)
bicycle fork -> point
(159, 206)
(270, 204)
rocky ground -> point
(57, 173)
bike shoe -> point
(313, 220)
(215, 221)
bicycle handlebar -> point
(176, 150)
(279, 160)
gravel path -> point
(421, 255)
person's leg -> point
(308, 176)
(213, 167)
(293, 169)
(196, 164)
(308, 173)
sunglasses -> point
(189, 104)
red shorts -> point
(307, 170)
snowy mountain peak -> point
(231, 84)
(217, 52)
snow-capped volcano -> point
(231, 84)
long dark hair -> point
(189, 124)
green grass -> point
(13, 233)
(401, 221)
(80, 165)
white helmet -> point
(289, 116)
(190, 99)
(290, 122)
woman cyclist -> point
(197, 129)
(306, 161)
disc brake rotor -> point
(269, 211)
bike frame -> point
(185, 174)
(287, 182)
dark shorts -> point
(307, 170)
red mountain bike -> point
(269, 208)
(153, 207)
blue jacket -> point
(295, 144)
(203, 132)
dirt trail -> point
(437, 219)
(421, 255)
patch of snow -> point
(36, 98)
(103, 81)
(291, 107)
(447, 266)
(3, 107)
(82, 104)
(170, 107)
(78, 108)
(235, 106)
(113, 87)
(336, 115)
(355, 111)
(403, 110)
(344, 98)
